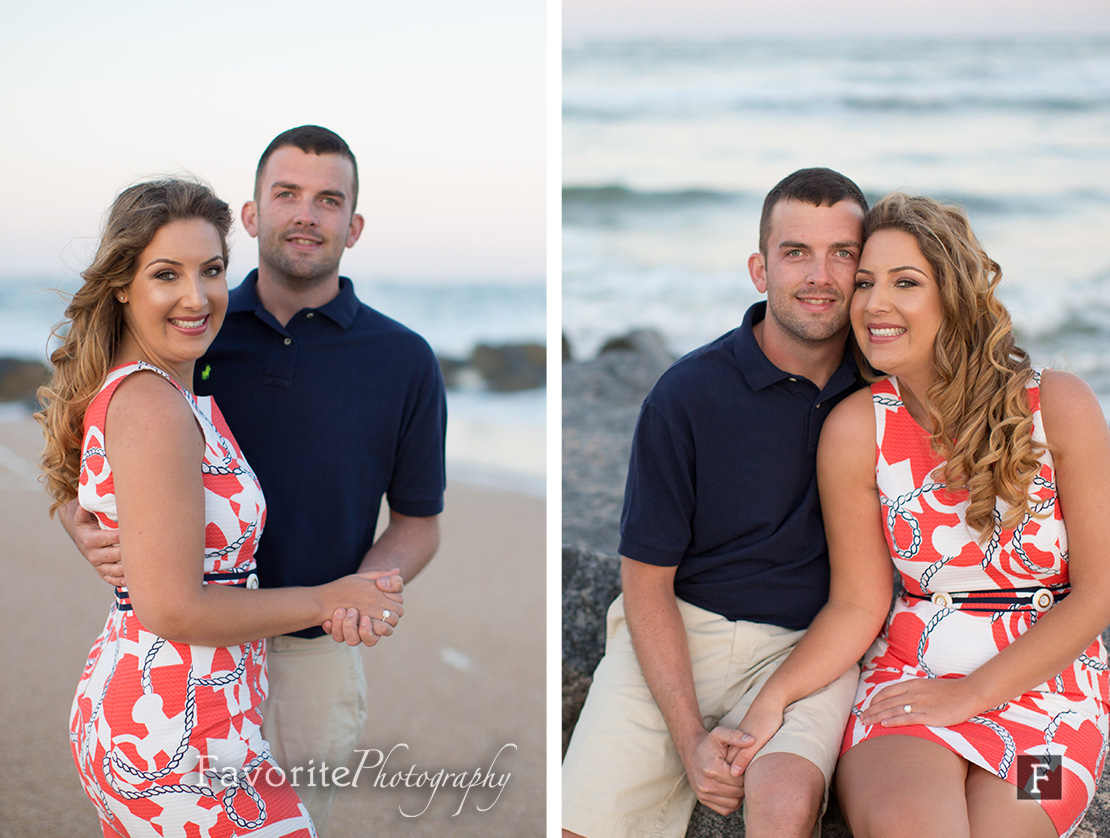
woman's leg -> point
(995, 810)
(900, 786)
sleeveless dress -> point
(166, 736)
(937, 629)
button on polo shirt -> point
(333, 410)
(722, 481)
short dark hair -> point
(311, 139)
(820, 187)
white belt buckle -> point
(1043, 599)
(942, 599)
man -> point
(724, 560)
(334, 406)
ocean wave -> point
(618, 195)
(718, 103)
(708, 49)
(892, 102)
(607, 203)
(977, 61)
(454, 316)
(1079, 313)
(667, 79)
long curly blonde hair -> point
(978, 406)
(90, 334)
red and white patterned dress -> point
(935, 551)
(167, 736)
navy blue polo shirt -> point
(335, 409)
(722, 481)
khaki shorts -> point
(622, 775)
(314, 713)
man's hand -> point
(99, 547)
(707, 769)
(405, 546)
(347, 626)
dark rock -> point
(705, 823)
(647, 342)
(601, 400)
(452, 369)
(512, 366)
(20, 380)
(591, 582)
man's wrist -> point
(688, 737)
(66, 515)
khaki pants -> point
(622, 775)
(314, 714)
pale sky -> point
(738, 17)
(442, 103)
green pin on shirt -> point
(205, 372)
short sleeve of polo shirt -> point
(659, 495)
(417, 483)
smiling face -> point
(303, 217)
(897, 309)
(176, 301)
(809, 269)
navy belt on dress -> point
(238, 578)
(998, 599)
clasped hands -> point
(716, 768)
(709, 770)
(347, 625)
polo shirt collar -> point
(341, 309)
(761, 373)
(757, 369)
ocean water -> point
(493, 438)
(670, 145)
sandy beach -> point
(459, 687)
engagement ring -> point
(907, 708)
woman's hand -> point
(939, 702)
(761, 722)
(368, 613)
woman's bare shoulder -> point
(1070, 410)
(147, 408)
(853, 418)
(848, 435)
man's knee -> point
(784, 795)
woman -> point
(960, 467)
(165, 723)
